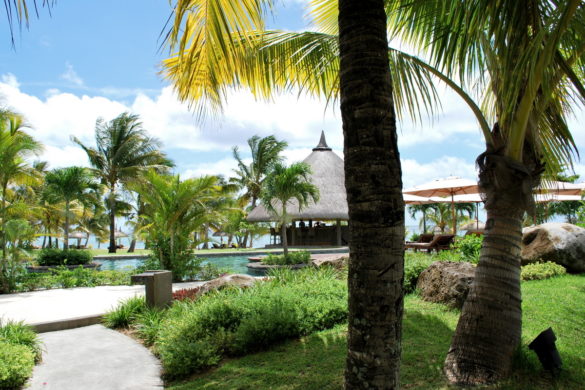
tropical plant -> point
(123, 150)
(174, 209)
(15, 147)
(68, 185)
(17, 231)
(282, 185)
(217, 46)
(420, 208)
(526, 60)
(265, 153)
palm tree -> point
(526, 60)
(19, 9)
(123, 150)
(265, 153)
(282, 185)
(174, 209)
(222, 45)
(416, 208)
(68, 185)
(15, 147)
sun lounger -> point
(438, 243)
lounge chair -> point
(438, 243)
(423, 238)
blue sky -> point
(91, 59)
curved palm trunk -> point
(374, 194)
(490, 326)
(132, 246)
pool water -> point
(236, 264)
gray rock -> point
(239, 280)
(446, 282)
(561, 243)
(335, 262)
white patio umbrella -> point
(560, 188)
(413, 199)
(450, 186)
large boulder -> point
(561, 243)
(446, 282)
(337, 262)
(239, 280)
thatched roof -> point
(328, 175)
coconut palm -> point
(418, 208)
(15, 147)
(222, 45)
(123, 150)
(19, 10)
(68, 185)
(282, 185)
(526, 60)
(265, 153)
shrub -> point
(79, 277)
(186, 293)
(211, 271)
(125, 314)
(300, 257)
(16, 365)
(469, 247)
(196, 334)
(54, 256)
(414, 264)
(539, 271)
(20, 334)
(148, 323)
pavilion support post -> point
(338, 231)
(293, 233)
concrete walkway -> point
(94, 358)
(58, 309)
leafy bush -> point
(125, 314)
(54, 256)
(21, 334)
(211, 271)
(16, 365)
(148, 323)
(539, 271)
(19, 350)
(469, 247)
(196, 334)
(300, 257)
(79, 277)
(414, 264)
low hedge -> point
(194, 335)
(300, 257)
(54, 256)
(19, 350)
(16, 365)
(62, 277)
(538, 271)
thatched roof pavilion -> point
(328, 175)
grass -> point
(317, 361)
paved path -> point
(61, 305)
(94, 358)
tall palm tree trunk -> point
(284, 240)
(66, 235)
(490, 326)
(374, 194)
(112, 248)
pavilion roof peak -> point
(322, 143)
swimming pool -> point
(237, 264)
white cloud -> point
(71, 76)
(10, 80)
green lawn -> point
(316, 362)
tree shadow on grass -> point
(425, 342)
